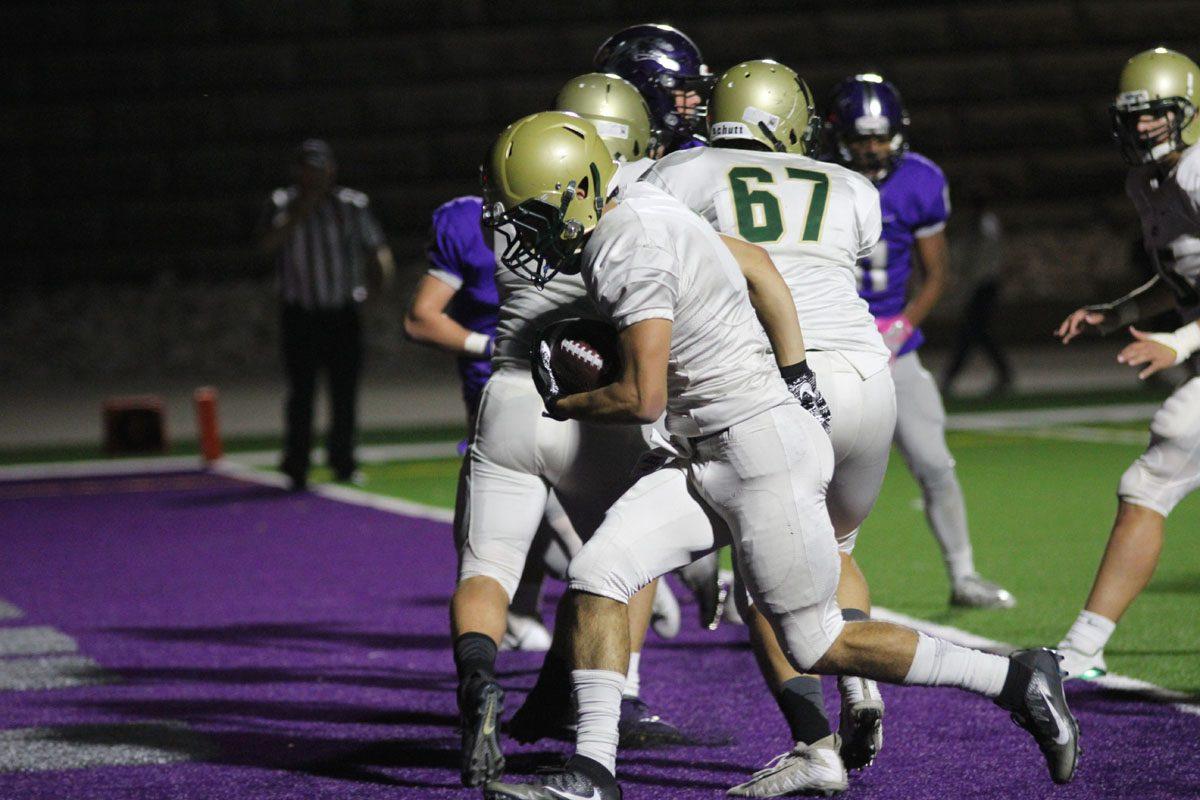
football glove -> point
(543, 377)
(802, 383)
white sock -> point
(1090, 632)
(598, 699)
(937, 662)
(633, 681)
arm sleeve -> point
(935, 206)
(442, 251)
(642, 285)
(870, 221)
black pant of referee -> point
(315, 339)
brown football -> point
(585, 354)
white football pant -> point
(1169, 470)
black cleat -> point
(480, 703)
(580, 778)
(1034, 694)
(543, 716)
(702, 577)
(640, 727)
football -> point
(584, 354)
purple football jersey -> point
(459, 256)
(915, 202)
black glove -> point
(543, 377)
(802, 383)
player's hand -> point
(1155, 355)
(895, 331)
(1082, 321)
(802, 383)
(543, 378)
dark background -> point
(141, 139)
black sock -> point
(475, 653)
(1012, 696)
(554, 679)
(855, 615)
(803, 706)
(596, 772)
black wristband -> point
(793, 371)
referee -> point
(328, 247)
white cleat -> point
(664, 616)
(861, 725)
(525, 633)
(805, 769)
(972, 591)
(1076, 664)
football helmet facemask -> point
(1159, 84)
(766, 102)
(545, 182)
(867, 107)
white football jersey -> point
(815, 219)
(651, 258)
(1170, 211)
(525, 309)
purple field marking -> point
(306, 641)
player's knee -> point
(809, 634)
(1142, 485)
(494, 563)
(935, 475)
(606, 571)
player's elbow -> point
(416, 327)
(650, 405)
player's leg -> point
(765, 477)
(1167, 472)
(344, 364)
(300, 367)
(921, 437)
(657, 526)
(501, 497)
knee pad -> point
(1155, 482)
(497, 563)
(809, 632)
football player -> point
(666, 67)
(869, 129)
(753, 461)
(1154, 122)
(816, 220)
(516, 457)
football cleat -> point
(729, 610)
(664, 616)
(972, 591)
(480, 703)
(640, 727)
(525, 633)
(1077, 664)
(861, 725)
(805, 769)
(580, 778)
(1039, 705)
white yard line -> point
(1181, 701)
(1074, 433)
(1037, 417)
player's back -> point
(652, 258)
(815, 219)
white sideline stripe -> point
(257, 458)
(9, 611)
(344, 494)
(1000, 420)
(1074, 433)
(1181, 701)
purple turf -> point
(307, 640)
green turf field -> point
(1039, 509)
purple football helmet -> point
(667, 68)
(865, 107)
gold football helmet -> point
(615, 107)
(1162, 84)
(545, 182)
(767, 102)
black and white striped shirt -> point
(322, 264)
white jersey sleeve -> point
(870, 220)
(640, 283)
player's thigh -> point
(591, 469)
(864, 420)
(656, 526)
(920, 418)
(1169, 469)
(767, 478)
